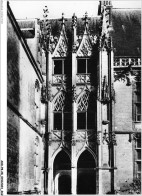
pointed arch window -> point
(62, 113)
(85, 112)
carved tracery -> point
(83, 102)
(59, 102)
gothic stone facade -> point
(91, 93)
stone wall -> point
(123, 106)
(13, 127)
(22, 172)
(122, 125)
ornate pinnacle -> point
(74, 20)
(45, 15)
(45, 29)
(86, 20)
(63, 21)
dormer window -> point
(61, 66)
(83, 66)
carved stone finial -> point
(74, 20)
(45, 29)
(63, 21)
(86, 20)
(45, 10)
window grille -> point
(86, 116)
(138, 155)
(83, 102)
(62, 113)
(59, 102)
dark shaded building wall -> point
(14, 99)
(12, 151)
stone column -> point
(99, 125)
(74, 128)
(50, 122)
(74, 170)
(50, 171)
(74, 111)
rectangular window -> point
(138, 143)
(138, 112)
(139, 166)
(58, 121)
(63, 121)
(85, 120)
(137, 101)
(85, 66)
(81, 120)
(58, 67)
(62, 66)
(81, 66)
(138, 155)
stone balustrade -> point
(125, 62)
(82, 78)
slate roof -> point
(93, 25)
(127, 32)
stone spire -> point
(74, 25)
(63, 22)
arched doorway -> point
(86, 174)
(62, 172)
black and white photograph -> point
(71, 97)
